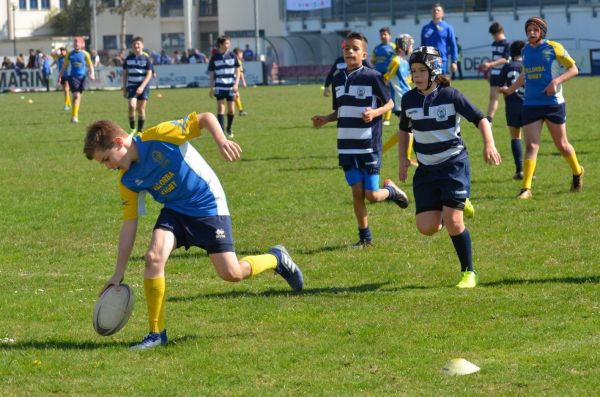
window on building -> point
(209, 8)
(109, 42)
(23, 4)
(62, 4)
(45, 4)
(33, 4)
(171, 8)
(208, 41)
(172, 41)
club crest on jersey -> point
(220, 234)
(361, 93)
(159, 158)
(547, 54)
(441, 114)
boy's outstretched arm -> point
(126, 241)
(515, 86)
(490, 154)
(230, 150)
(319, 121)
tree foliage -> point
(73, 20)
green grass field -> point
(381, 321)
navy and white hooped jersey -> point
(434, 120)
(224, 66)
(173, 172)
(508, 75)
(338, 66)
(137, 67)
(359, 143)
(500, 49)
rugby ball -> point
(113, 309)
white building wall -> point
(149, 29)
(238, 15)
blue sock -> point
(221, 118)
(517, 152)
(364, 234)
(462, 245)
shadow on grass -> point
(309, 168)
(89, 345)
(197, 254)
(565, 280)
(313, 157)
(357, 289)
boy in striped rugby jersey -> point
(360, 98)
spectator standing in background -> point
(31, 60)
(248, 54)
(20, 62)
(440, 34)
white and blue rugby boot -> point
(287, 268)
(152, 340)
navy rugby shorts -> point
(212, 233)
(445, 185)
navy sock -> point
(229, 121)
(131, 123)
(141, 124)
(517, 152)
(221, 119)
(462, 245)
(364, 234)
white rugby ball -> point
(113, 309)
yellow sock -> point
(393, 141)
(238, 103)
(75, 111)
(573, 163)
(67, 100)
(528, 170)
(154, 289)
(387, 116)
(410, 146)
(260, 263)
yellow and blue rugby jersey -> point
(398, 74)
(59, 64)
(541, 65)
(382, 55)
(78, 61)
(173, 172)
